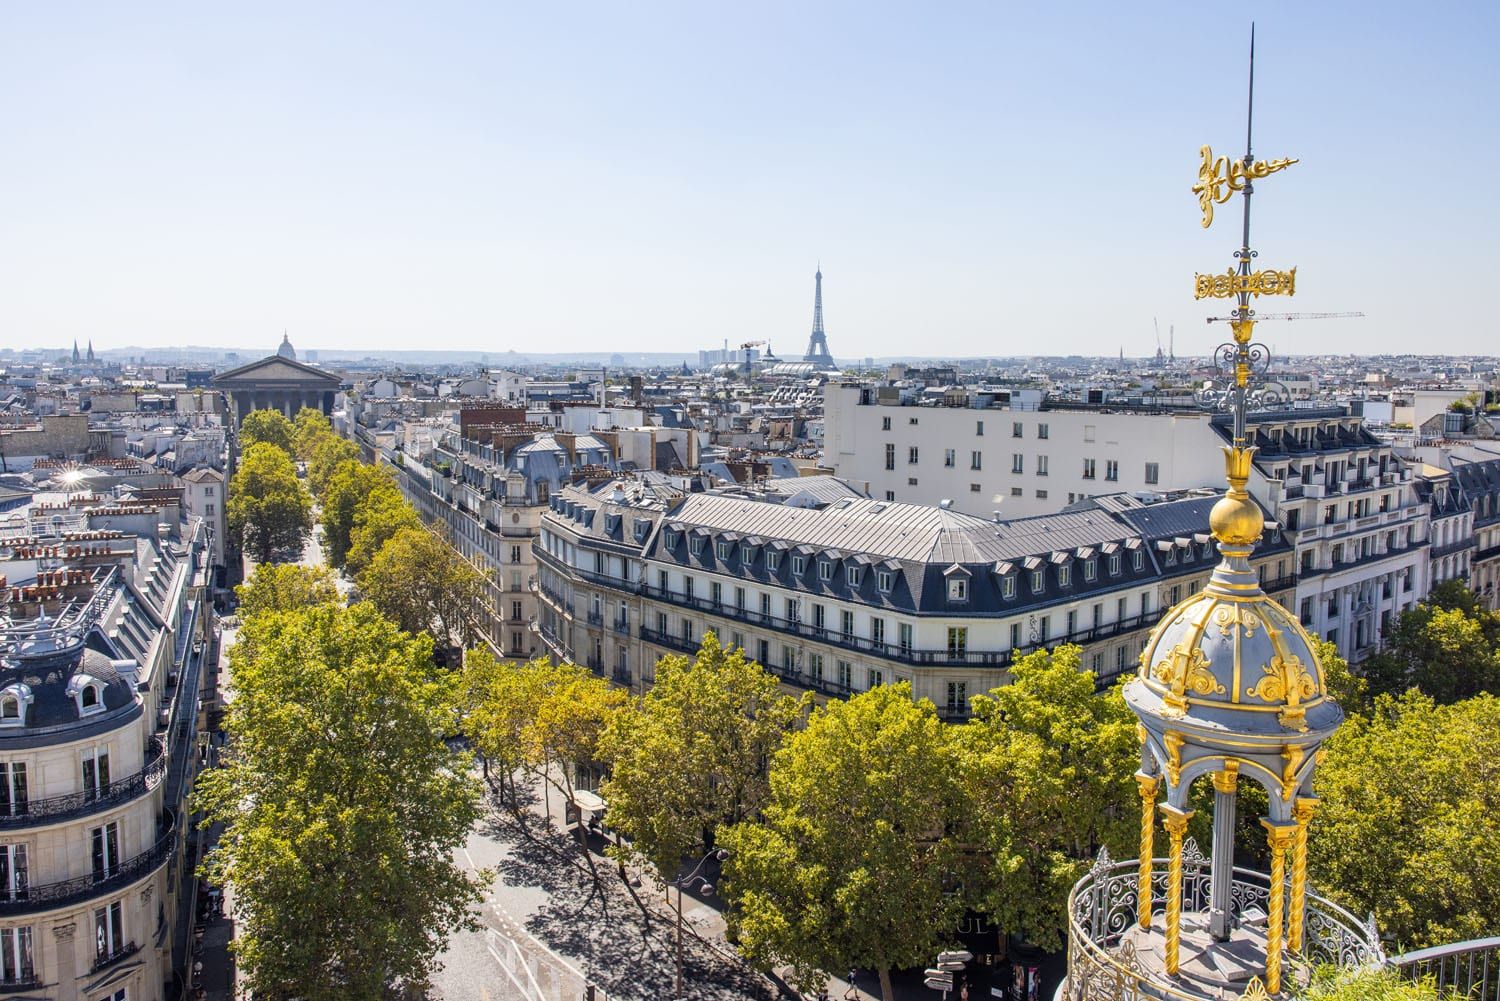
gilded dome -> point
(1231, 656)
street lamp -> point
(688, 882)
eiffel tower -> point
(817, 345)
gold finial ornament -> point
(1257, 283)
(1220, 177)
(1235, 519)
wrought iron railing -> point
(58, 808)
(1470, 970)
(50, 896)
(1103, 907)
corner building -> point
(102, 637)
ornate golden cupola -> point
(1229, 690)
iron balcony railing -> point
(53, 809)
(1469, 970)
(67, 892)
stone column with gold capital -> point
(1279, 838)
(1175, 821)
(1221, 878)
(1302, 812)
(1146, 786)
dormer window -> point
(1064, 576)
(695, 545)
(724, 551)
(825, 570)
(13, 703)
(1036, 582)
(958, 589)
(773, 561)
(884, 580)
(799, 565)
(87, 693)
(1114, 565)
(1090, 570)
(851, 576)
(1008, 587)
(1140, 559)
(747, 555)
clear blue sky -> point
(975, 178)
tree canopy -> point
(1409, 825)
(342, 806)
(268, 507)
(309, 427)
(849, 865)
(349, 487)
(692, 756)
(286, 587)
(378, 517)
(423, 584)
(268, 427)
(1448, 646)
(1047, 765)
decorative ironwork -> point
(1256, 283)
(1103, 906)
(58, 808)
(1468, 969)
(63, 893)
(1220, 177)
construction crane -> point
(1286, 316)
(746, 348)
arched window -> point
(87, 692)
(13, 702)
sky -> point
(975, 179)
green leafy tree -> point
(500, 700)
(349, 488)
(1350, 690)
(1048, 766)
(693, 757)
(329, 453)
(268, 508)
(424, 585)
(309, 427)
(286, 587)
(1371, 983)
(1409, 825)
(268, 427)
(851, 862)
(341, 805)
(1447, 646)
(377, 519)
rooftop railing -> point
(1470, 970)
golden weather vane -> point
(1220, 177)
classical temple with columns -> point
(277, 382)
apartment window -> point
(1120, 610)
(793, 610)
(773, 561)
(1064, 576)
(17, 960)
(723, 549)
(695, 548)
(883, 581)
(976, 460)
(95, 773)
(1121, 653)
(1015, 635)
(911, 481)
(109, 932)
(799, 565)
(1017, 462)
(911, 455)
(890, 456)
(958, 641)
(885, 423)
(874, 678)
(911, 420)
(14, 873)
(515, 554)
(739, 599)
(1016, 491)
(974, 488)
(1015, 430)
(1041, 495)
(950, 457)
(845, 675)
(1036, 582)
(105, 850)
(903, 637)
(958, 589)
(1333, 608)
(890, 495)
(764, 648)
(208, 509)
(1153, 473)
(1041, 465)
(13, 796)
(1041, 431)
(877, 632)
(661, 623)
(825, 570)
(1111, 470)
(1090, 569)
(815, 667)
(716, 593)
(851, 576)
(818, 617)
(736, 641)
(1138, 559)
(958, 696)
(788, 659)
(1008, 586)
(747, 555)
(1043, 628)
(1088, 469)
(765, 606)
(846, 624)
(979, 428)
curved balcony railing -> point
(1102, 908)
(1469, 969)
(63, 893)
(54, 809)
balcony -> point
(69, 892)
(1111, 957)
(55, 809)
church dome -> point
(285, 351)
